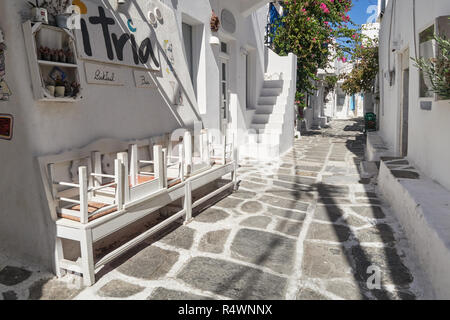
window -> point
(223, 47)
(426, 50)
(187, 37)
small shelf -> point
(40, 35)
(57, 64)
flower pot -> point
(59, 91)
(61, 20)
(39, 15)
(51, 89)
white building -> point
(145, 69)
(414, 125)
(411, 122)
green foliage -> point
(365, 69)
(330, 82)
(438, 69)
(317, 32)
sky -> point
(359, 14)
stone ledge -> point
(375, 147)
(423, 209)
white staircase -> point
(266, 129)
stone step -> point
(273, 84)
(270, 108)
(267, 92)
(268, 117)
(272, 100)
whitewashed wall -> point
(429, 131)
(125, 112)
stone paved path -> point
(307, 227)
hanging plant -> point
(215, 22)
(437, 70)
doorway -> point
(404, 107)
(224, 93)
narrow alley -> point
(308, 227)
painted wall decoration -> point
(168, 50)
(228, 21)
(104, 74)
(143, 79)
(110, 37)
(5, 93)
(6, 126)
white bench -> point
(101, 204)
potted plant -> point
(68, 90)
(54, 55)
(57, 10)
(41, 53)
(59, 87)
(38, 14)
(69, 57)
(61, 56)
(75, 88)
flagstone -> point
(263, 248)
(214, 241)
(151, 263)
(52, 289)
(232, 280)
(211, 215)
(11, 276)
(119, 289)
(329, 232)
(260, 222)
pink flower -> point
(324, 8)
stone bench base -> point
(375, 147)
(423, 209)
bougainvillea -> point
(365, 68)
(317, 31)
